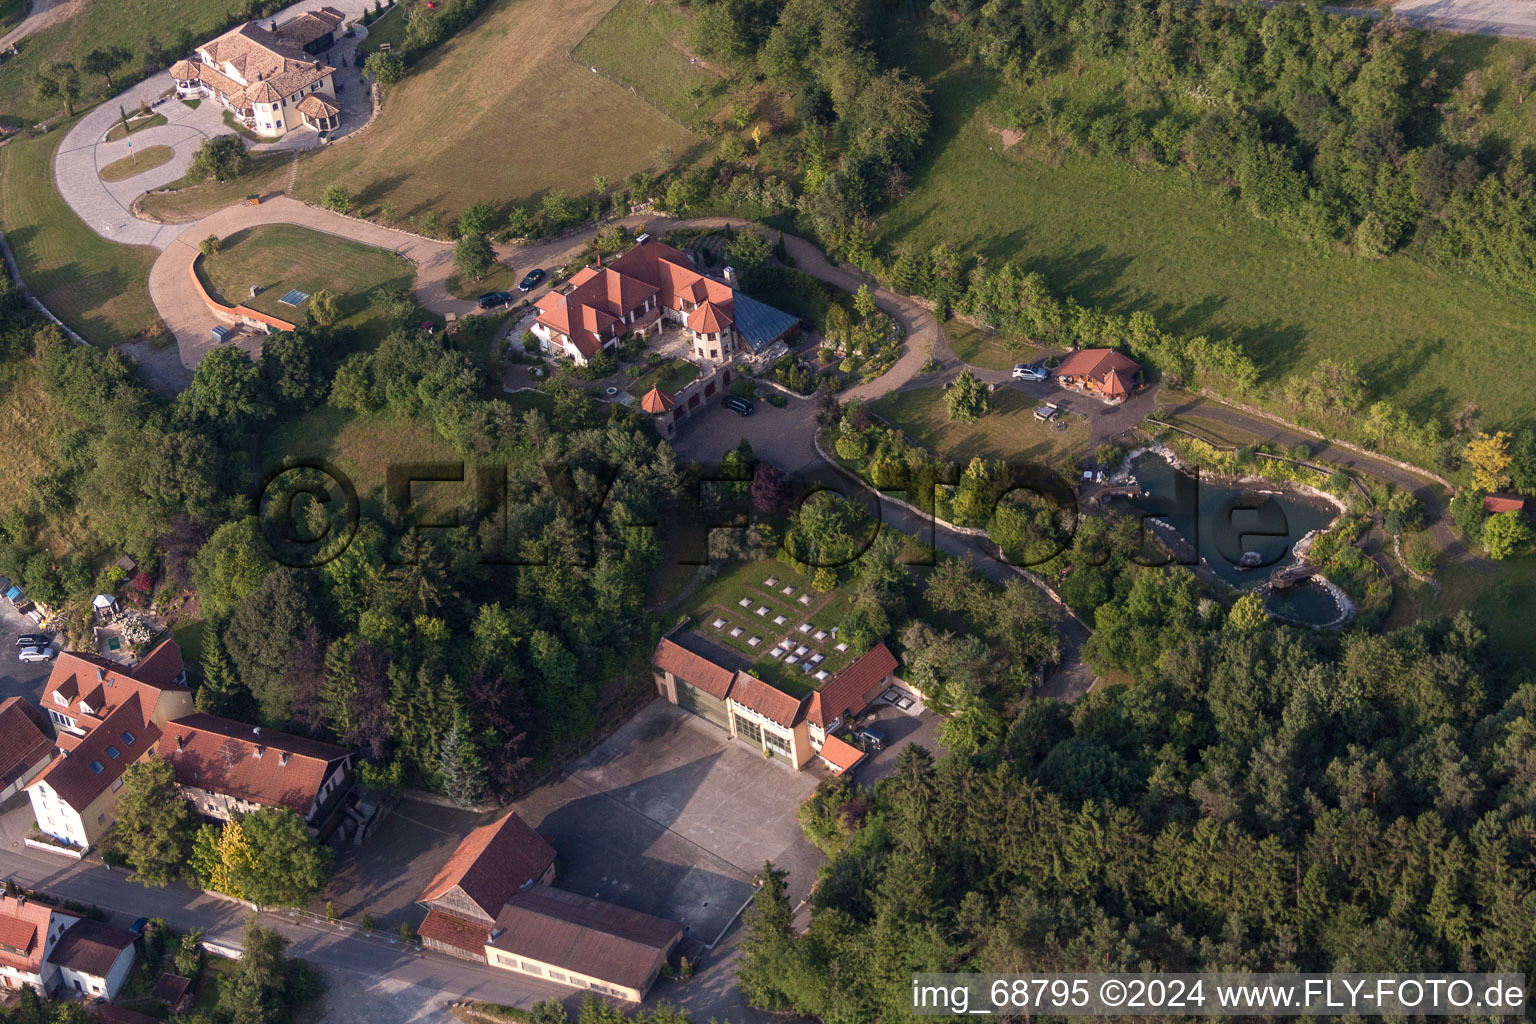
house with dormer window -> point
(106, 716)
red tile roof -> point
(105, 684)
(693, 669)
(710, 318)
(81, 774)
(1115, 383)
(1096, 364)
(766, 699)
(586, 936)
(455, 932)
(492, 863)
(25, 928)
(257, 765)
(656, 401)
(22, 740)
(849, 690)
(1496, 503)
(90, 947)
(842, 756)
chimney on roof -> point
(101, 674)
(181, 742)
(283, 758)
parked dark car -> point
(530, 280)
(33, 640)
(738, 405)
(872, 737)
(490, 300)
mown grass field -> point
(641, 44)
(134, 125)
(670, 376)
(31, 422)
(1009, 431)
(279, 257)
(499, 113)
(98, 288)
(137, 163)
(1116, 236)
(102, 23)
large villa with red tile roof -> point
(793, 729)
(646, 288)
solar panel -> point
(294, 298)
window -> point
(117, 784)
(529, 968)
(96, 767)
(127, 739)
(749, 730)
(776, 741)
(113, 752)
(556, 976)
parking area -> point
(900, 728)
(672, 817)
(19, 678)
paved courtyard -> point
(672, 817)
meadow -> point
(127, 23)
(500, 113)
(137, 163)
(32, 421)
(641, 45)
(100, 289)
(1124, 238)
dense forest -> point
(1260, 799)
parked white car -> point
(35, 654)
(1026, 372)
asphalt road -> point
(18, 678)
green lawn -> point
(671, 376)
(1009, 431)
(279, 257)
(137, 163)
(720, 599)
(641, 45)
(135, 124)
(454, 133)
(187, 200)
(98, 288)
(388, 29)
(105, 23)
(1112, 235)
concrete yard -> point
(672, 817)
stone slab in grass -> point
(771, 581)
(821, 675)
(779, 620)
(791, 660)
(718, 623)
(805, 599)
(745, 602)
(753, 641)
(762, 609)
(737, 631)
(777, 652)
(804, 627)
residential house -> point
(640, 290)
(29, 931)
(226, 768)
(1102, 372)
(25, 748)
(492, 902)
(268, 78)
(106, 716)
(587, 943)
(492, 863)
(794, 730)
(93, 959)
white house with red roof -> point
(29, 933)
(106, 717)
(638, 291)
